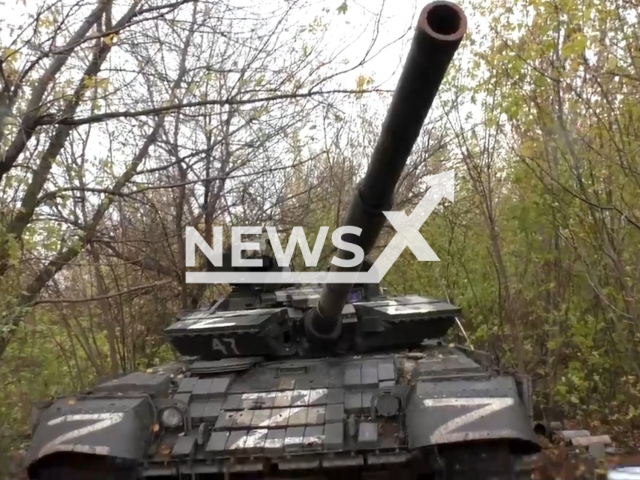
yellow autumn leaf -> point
(9, 54)
(575, 46)
(89, 82)
(362, 82)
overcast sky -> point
(350, 32)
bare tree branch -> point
(179, 106)
(98, 298)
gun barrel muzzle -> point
(440, 30)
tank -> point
(282, 381)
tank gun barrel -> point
(440, 29)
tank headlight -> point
(171, 417)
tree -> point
(172, 110)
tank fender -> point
(118, 427)
(460, 410)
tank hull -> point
(318, 416)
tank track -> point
(481, 461)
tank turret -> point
(440, 29)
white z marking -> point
(103, 420)
(492, 405)
(254, 435)
(212, 322)
(406, 309)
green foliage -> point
(36, 365)
(540, 248)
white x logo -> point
(408, 227)
(408, 235)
